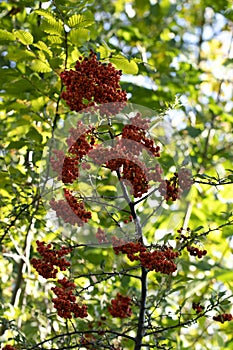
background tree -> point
(176, 58)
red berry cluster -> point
(79, 146)
(155, 173)
(77, 207)
(8, 347)
(51, 258)
(120, 306)
(101, 236)
(160, 260)
(69, 171)
(71, 211)
(131, 249)
(197, 307)
(78, 149)
(182, 236)
(223, 318)
(137, 133)
(196, 252)
(170, 189)
(65, 303)
(91, 84)
(130, 218)
(133, 171)
(141, 123)
(185, 179)
(57, 162)
(81, 139)
(134, 175)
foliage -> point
(176, 63)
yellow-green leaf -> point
(46, 14)
(104, 51)
(54, 39)
(81, 21)
(42, 46)
(52, 26)
(79, 36)
(5, 35)
(127, 67)
(40, 67)
(24, 37)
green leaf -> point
(107, 190)
(223, 276)
(197, 228)
(79, 36)
(54, 39)
(52, 26)
(125, 281)
(203, 266)
(40, 67)
(194, 132)
(122, 63)
(21, 55)
(227, 231)
(104, 52)
(42, 46)
(81, 21)
(46, 14)
(24, 37)
(16, 144)
(5, 35)
(33, 134)
(56, 62)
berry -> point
(79, 146)
(160, 260)
(197, 307)
(93, 84)
(169, 189)
(65, 302)
(101, 236)
(120, 306)
(136, 131)
(196, 252)
(184, 179)
(51, 258)
(223, 318)
(71, 211)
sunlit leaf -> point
(47, 14)
(5, 35)
(80, 20)
(41, 67)
(122, 63)
(79, 35)
(24, 37)
(52, 26)
(42, 46)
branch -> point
(203, 234)
(189, 322)
(79, 332)
(219, 183)
(141, 319)
(146, 196)
(17, 217)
